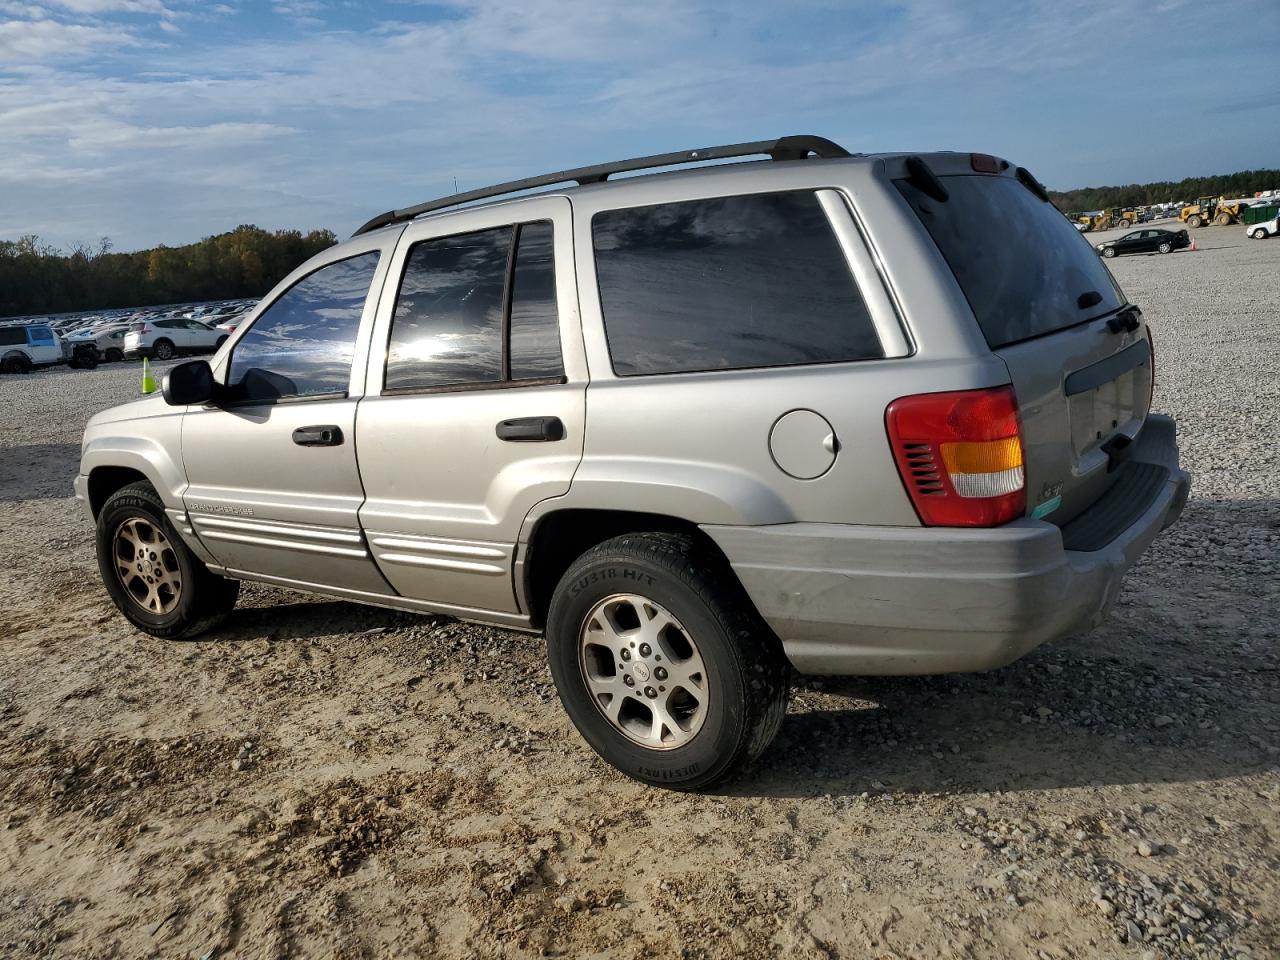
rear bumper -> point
(913, 600)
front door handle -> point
(318, 436)
(531, 429)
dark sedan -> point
(1145, 241)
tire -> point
(1259, 234)
(722, 717)
(163, 350)
(1222, 220)
(218, 346)
(16, 363)
(113, 355)
(184, 599)
(1123, 224)
(1108, 252)
(1165, 247)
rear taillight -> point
(960, 456)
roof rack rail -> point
(784, 148)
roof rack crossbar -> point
(784, 148)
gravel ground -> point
(320, 778)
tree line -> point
(36, 278)
(1230, 185)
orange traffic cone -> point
(1193, 246)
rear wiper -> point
(1090, 298)
(925, 180)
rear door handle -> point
(318, 436)
(531, 429)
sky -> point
(163, 121)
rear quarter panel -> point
(696, 445)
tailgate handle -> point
(1104, 371)
(318, 436)
(531, 429)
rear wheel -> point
(162, 350)
(1108, 252)
(662, 664)
(1195, 221)
(1222, 220)
(1165, 247)
(16, 363)
(1123, 224)
(160, 586)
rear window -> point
(1022, 266)
(726, 284)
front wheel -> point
(1109, 252)
(113, 355)
(163, 350)
(662, 664)
(1194, 220)
(160, 586)
(1165, 248)
(1259, 234)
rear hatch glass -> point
(1042, 297)
(1022, 266)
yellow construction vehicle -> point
(1125, 218)
(1215, 210)
(1096, 220)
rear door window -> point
(41, 334)
(1022, 267)
(476, 309)
(727, 283)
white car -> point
(23, 347)
(107, 340)
(1267, 228)
(170, 337)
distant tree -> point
(1243, 184)
(36, 277)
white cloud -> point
(41, 40)
(362, 116)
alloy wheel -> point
(147, 566)
(643, 671)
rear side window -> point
(476, 309)
(12, 336)
(727, 283)
(1022, 266)
(302, 345)
(535, 327)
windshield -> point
(1023, 267)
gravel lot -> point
(324, 779)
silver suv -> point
(835, 413)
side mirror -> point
(190, 382)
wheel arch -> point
(106, 480)
(555, 538)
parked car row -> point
(86, 340)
